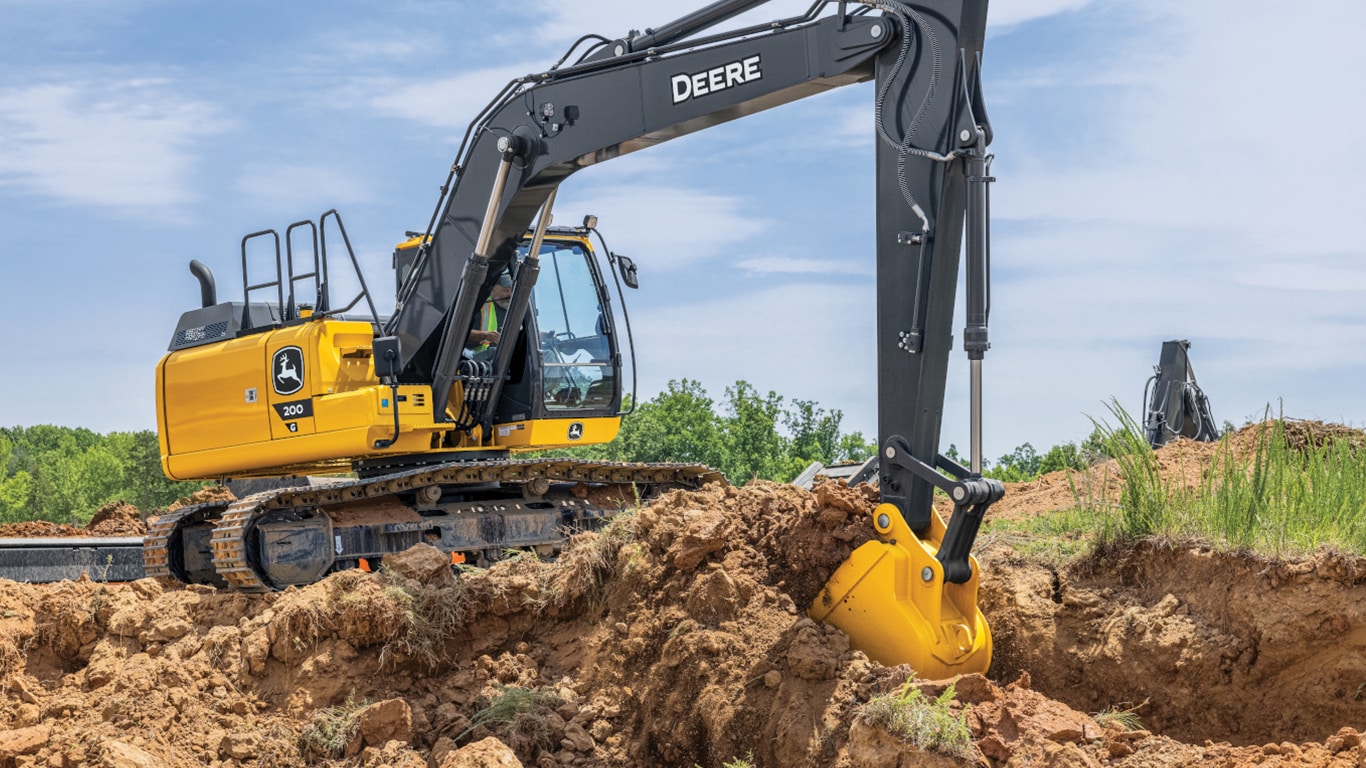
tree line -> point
(65, 474)
(749, 435)
(746, 435)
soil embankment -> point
(675, 637)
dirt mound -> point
(675, 637)
(117, 518)
(1299, 434)
(203, 495)
(40, 528)
(1182, 460)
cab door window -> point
(576, 352)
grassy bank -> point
(1278, 488)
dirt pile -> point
(115, 519)
(205, 494)
(1184, 461)
(1299, 434)
(40, 528)
(674, 637)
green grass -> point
(1125, 718)
(1288, 500)
(1054, 537)
(1282, 500)
(930, 724)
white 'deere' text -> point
(715, 79)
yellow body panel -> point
(220, 415)
(880, 598)
(555, 433)
(211, 385)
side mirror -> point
(627, 268)
(387, 352)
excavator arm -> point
(932, 174)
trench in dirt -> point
(1206, 645)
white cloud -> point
(796, 340)
(119, 144)
(1204, 194)
(797, 265)
(564, 17)
(675, 227)
(449, 102)
(615, 18)
(301, 187)
(1005, 13)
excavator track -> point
(165, 535)
(304, 511)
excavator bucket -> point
(892, 600)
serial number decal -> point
(691, 85)
(295, 409)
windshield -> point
(576, 351)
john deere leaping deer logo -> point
(289, 371)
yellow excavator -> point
(505, 337)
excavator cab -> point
(563, 383)
(576, 351)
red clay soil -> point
(675, 637)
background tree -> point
(756, 436)
(64, 475)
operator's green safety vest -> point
(490, 322)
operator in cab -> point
(487, 326)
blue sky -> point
(1166, 169)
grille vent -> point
(202, 333)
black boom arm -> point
(632, 93)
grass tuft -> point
(1125, 718)
(930, 724)
(330, 730)
(519, 711)
(1290, 495)
(429, 617)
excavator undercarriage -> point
(475, 510)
